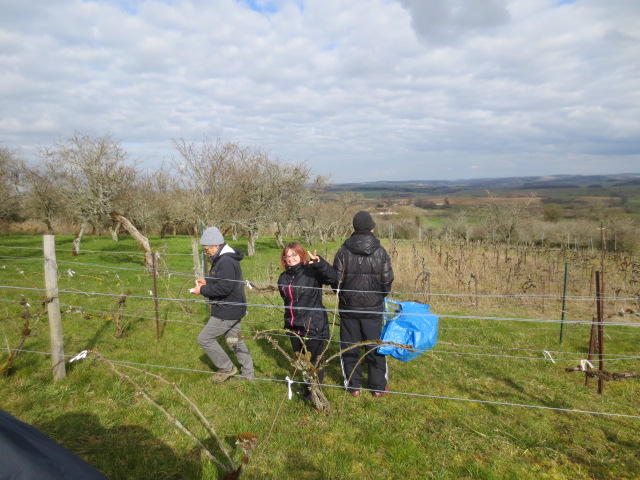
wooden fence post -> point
(600, 307)
(564, 298)
(53, 307)
(154, 260)
(475, 280)
(197, 265)
(596, 341)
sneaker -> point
(223, 375)
(379, 394)
(354, 393)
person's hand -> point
(199, 283)
(313, 257)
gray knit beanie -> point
(212, 236)
(362, 221)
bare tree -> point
(98, 177)
(141, 239)
(329, 219)
(505, 216)
(272, 192)
(45, 197)
(159, 204)
(298, 197)
(205, 180)
(458, 226)
(10, 168)
(242, 188)
(258, 186)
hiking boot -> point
(379, 394)
(223, 375)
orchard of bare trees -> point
(89, 184)
(84, 184)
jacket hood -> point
(362, 243)
(227, 250)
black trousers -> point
(353, 330)
(314, 346)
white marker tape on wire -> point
(584, 363)
(547, 354)
(289, 382)
(80, 356)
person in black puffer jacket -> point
(300, 286)
(364, 280)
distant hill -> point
(450, 187)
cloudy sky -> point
(363, 90)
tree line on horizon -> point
(76, 185)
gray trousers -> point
(208, 340)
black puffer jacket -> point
(225, 288)
(300, 287)
(364, 275)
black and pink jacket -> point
(300, 287)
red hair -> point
(297, 248)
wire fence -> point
(76, 269)
(392, 392)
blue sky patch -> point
(261, 6)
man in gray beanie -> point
(224, 290)
(364, 279)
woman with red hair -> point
(300, 286)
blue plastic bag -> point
(408, 323)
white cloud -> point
(361, 89)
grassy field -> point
(486, 403)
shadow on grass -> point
(120, 451)
(268, 350)
(300, 468)
(515, 390)
(98, 335)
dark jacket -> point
(225, 288)
(364, 275)
(27, 453)
(300, 287)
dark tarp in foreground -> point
(28, 454)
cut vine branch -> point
(245, 441)
(603, 374)
(24, 333)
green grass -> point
(433, 425)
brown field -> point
(485, 200)
(516, 281)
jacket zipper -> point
(291, 305)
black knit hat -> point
(362, 222)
